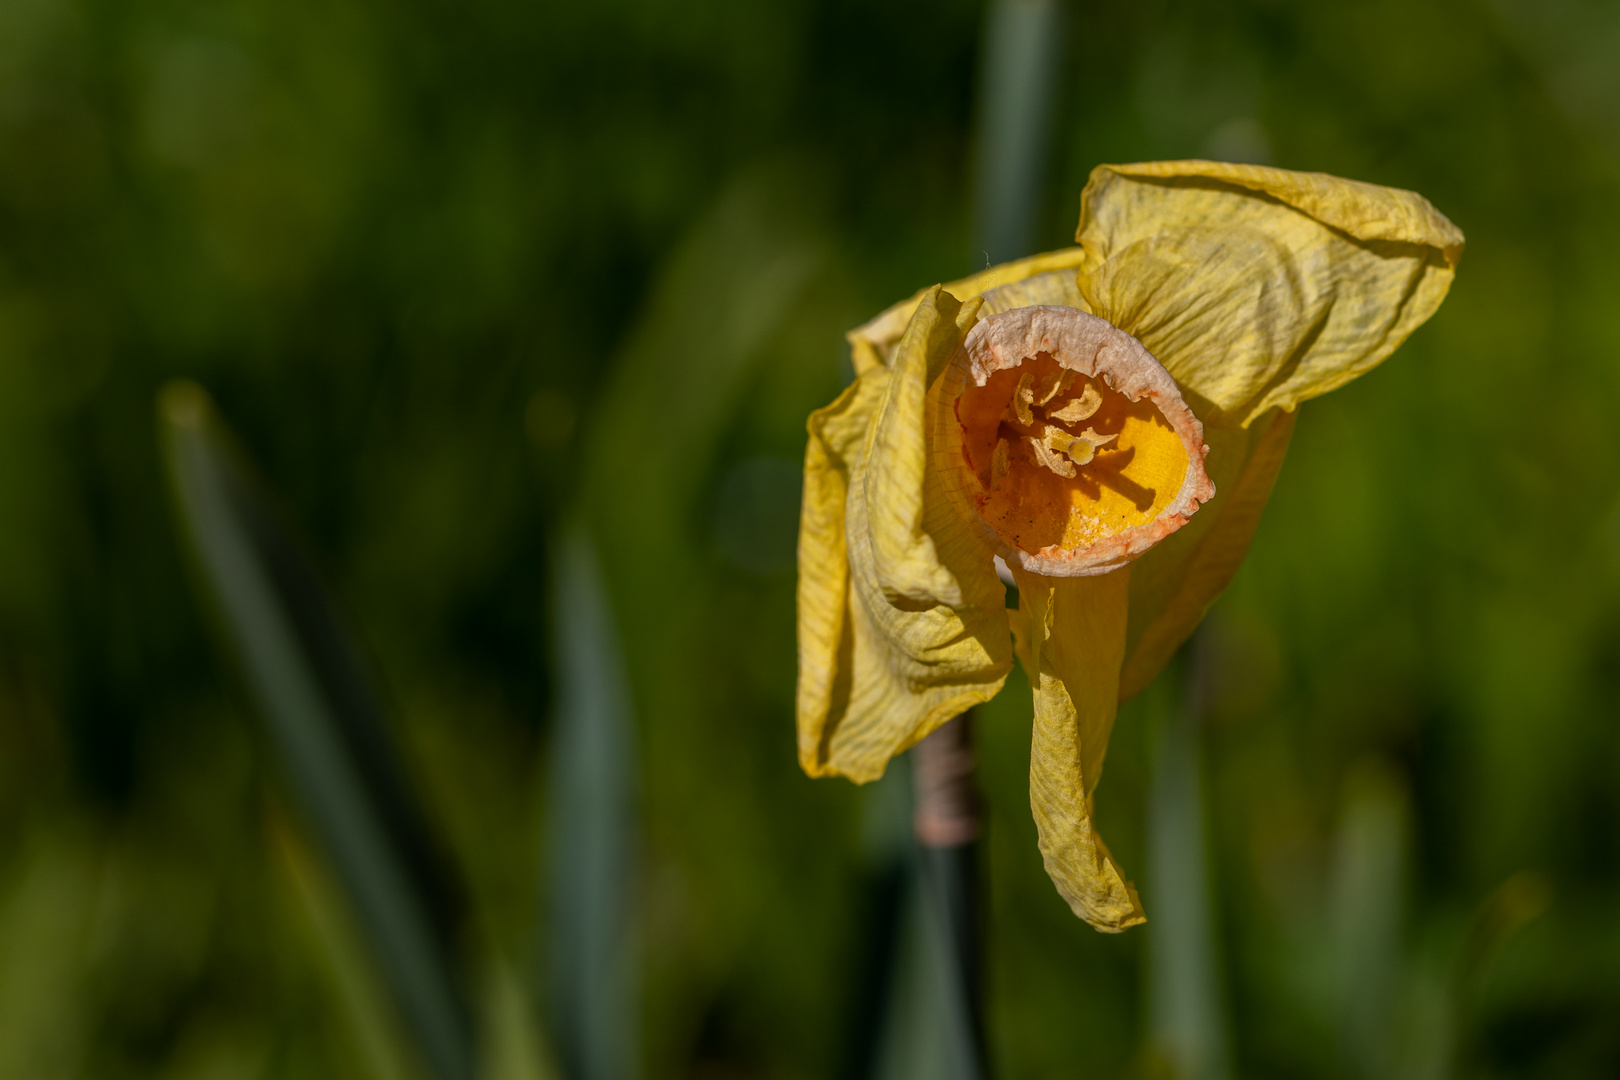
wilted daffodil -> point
(1108, 420)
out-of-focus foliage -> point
(453, 271)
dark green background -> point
(452, 270)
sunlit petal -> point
(906, 565)
(1075, 631)
(1071, 417)
(1039, 279)
(1259, 287)
(925, 633)
(837, 436)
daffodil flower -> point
(1108, 420)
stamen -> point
(1021, 399)
(1046, 457)
(1081, 408)
(1080, 450)
(1052, 447)
(1072, 469)
(1056, 383)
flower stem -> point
(946, 822)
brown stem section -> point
(947, 800)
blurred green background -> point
(460, 274)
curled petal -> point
(922, 632)
(1039, 279)
(1256, 289)
(905, 563)
(826, 639)
(1260, 288)
(1072, 641)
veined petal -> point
(906, 565)
(826, 639)
(1075, 630)
(1039, 279)
(923, 633)
(1260, 288)
(1173, 585)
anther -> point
(1081, 408)
(1022, 397)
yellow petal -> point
(1039, 279)
(837, 436)
(922, 634)
(1173, 585)
(905, 563)
(1258, 287)
(1074, 632)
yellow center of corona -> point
(1063, 459)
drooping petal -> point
(837, 437)
(1260, 288)
(923, 634)
(1039, 279)
(1072, 639)
(1173, 585)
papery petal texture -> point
(837, 438)
(1039, 279)
(1075, 630)
(1256, 289)
(923, 635)
(905, 562)
(1260, 288)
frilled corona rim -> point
(1098, 350)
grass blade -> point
(325, 721)
(593, 829)
(1022, 38)
(1186, 1019)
